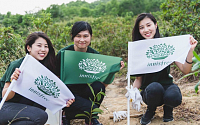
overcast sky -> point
(20, 6)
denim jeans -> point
(156, 94)
(25, 114)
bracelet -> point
(188, 62)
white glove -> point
(138, 100)
(130, 94)
(135, 97)
(117, 116)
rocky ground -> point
(188, 113)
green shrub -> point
(182, 17)
(11, 47)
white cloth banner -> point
(40, 85)
(153, 55)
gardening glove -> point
(130, 94)
(117, 116)
(138, 100)
(135, 97)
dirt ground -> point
(188, 113)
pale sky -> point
(20, 6)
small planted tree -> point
(95, 111)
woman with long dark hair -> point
(26, 111)
(158, 88)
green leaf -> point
(97, 117)
(102, 93)
(91, 89)
(87, 113)
(78, 115)
(102, 106)
(196, 56)
(186, 76)
(90, 99)
(196, 73)
(196, 87)
(98, 97)
(95, 113)
(196, 66)
(97, 110)
(194, 59)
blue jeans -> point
(156, 95)
(30, 115)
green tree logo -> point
(158, 52)
(92, 66)
(47, 86)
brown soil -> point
(188, 113)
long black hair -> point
(136, 34)
(50, 60)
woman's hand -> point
(122, 65)
(15, 74)
(69, 102)
(193, 42)
(186, 67)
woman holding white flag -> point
(158, 88)
(17, 109)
